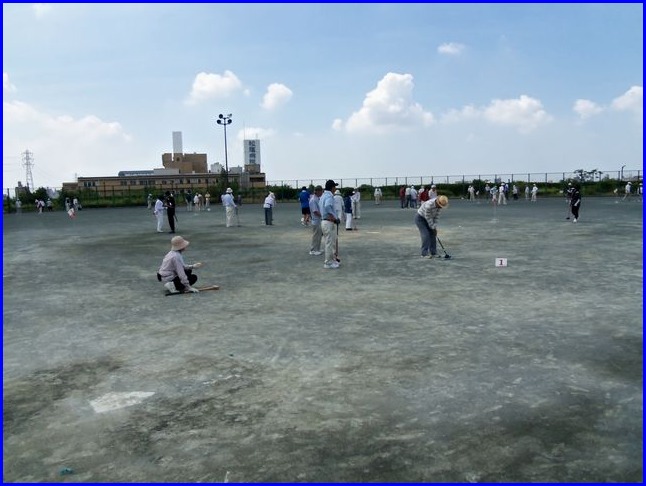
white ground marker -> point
(115, 401)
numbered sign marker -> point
(500, 262)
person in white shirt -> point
(229, 206)
(196, 201)
(527, 192)
(432, 194)
(413, 197)
(493, 192)
(356, 204)
(472, 193)
(270, 202)
(627, 190)
(338, 205)
(502, 199)
(534, 192)
(159, 213)
(315, 211)
(378, 196)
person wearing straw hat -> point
(173, 272)
(229, 206)
(426, 221)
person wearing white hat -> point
(356, 204)
(534, 192)
(413, 197)
(173, 272)
(159, 213)
(378, 196)
(426, 221)
(628, 190)
(432, 194)
(502, 198)
(229, 206)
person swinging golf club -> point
(174, 273)
(426, 221)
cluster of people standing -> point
(410, 197)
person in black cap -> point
(328, 222)
(170, 210)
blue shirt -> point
(314, 208)
(327, 205)
(304, 198)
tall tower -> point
(177, 144)
(28, 163)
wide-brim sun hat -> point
(442, 201)
(178, 243)
(229, 190)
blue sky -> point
(331, 90)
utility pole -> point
(28, 163)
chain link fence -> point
(550, 183)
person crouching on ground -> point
(174, 273)
(426, 221)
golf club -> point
(446, 255)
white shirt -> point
(269, 202)
(159, 206)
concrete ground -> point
(390, 369)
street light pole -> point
(622, 172)
(225, 120)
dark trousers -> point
(268, 216)
(575, 211)
(178, 283)
(428, 235)
(170, 212)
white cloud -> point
(254, 133)
(41, 9)
(337, 124)
(631, 100)
(277, 95)
(469, 112)
(524, 113)
(451, 48)
(388, 107)
(7, 87)
(208, 86)
(63, 145)
(586, 108)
